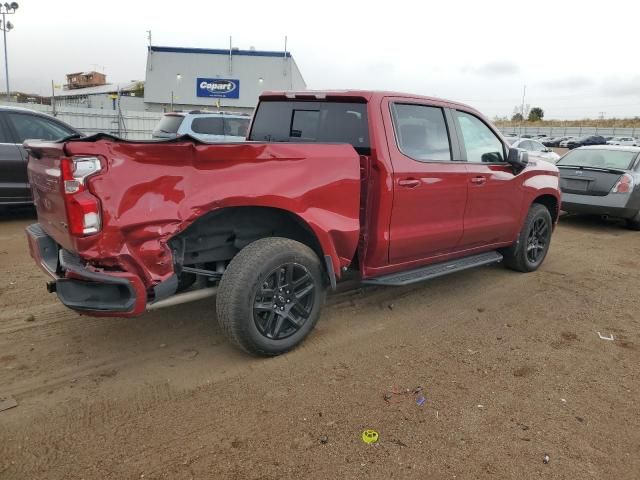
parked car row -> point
(550, 141)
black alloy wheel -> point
(284, 302)
(538, 240)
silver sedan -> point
(536, 149)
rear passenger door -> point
(494, 191)
(429, 181)
(14, 185)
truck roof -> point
(367, 95)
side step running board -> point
(436, 270)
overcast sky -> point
(577, 60)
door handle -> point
(478, 180)
(409, 182)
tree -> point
(517, 117)
(536, 114)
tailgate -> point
(46, 184)
(584, 181)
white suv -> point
(623, 141)
(210, 127)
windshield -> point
(169, 124)
(301, 121)
(599, 158)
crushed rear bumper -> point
(81, 288)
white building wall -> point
(102, 101)
(177, 70)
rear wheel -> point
(270, 296)
(532, 245)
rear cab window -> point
(312, 121)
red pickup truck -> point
(397, 187)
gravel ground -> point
(510, 364)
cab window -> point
(479, 141)
(421, 132)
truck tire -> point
(270, 296)
(634, 223)
(532, 244)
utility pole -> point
(601, 118)
(7, 9)
(524, 92)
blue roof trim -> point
(219, 51)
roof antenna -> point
(149, 36)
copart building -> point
(230, 79)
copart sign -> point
(218, 87)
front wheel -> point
(532, 244)
(270, 296)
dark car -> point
(17, 125)
(602, 180)
(553, 141)
(586, 141)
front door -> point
(494, 192)
(429, 186)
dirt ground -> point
(511, 367)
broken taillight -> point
(623, 185)
(83, 208)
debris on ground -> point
(602, 337)
(416, 392)
(187, 354)
(400, 443)
(7, 402)
(370, 436)
(29, 318)
(546, 458)
(323, 439)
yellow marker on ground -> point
(369, 436)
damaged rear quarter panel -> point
(152, 191)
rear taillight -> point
(624, 184)
(83, 209)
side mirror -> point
(519, 159)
